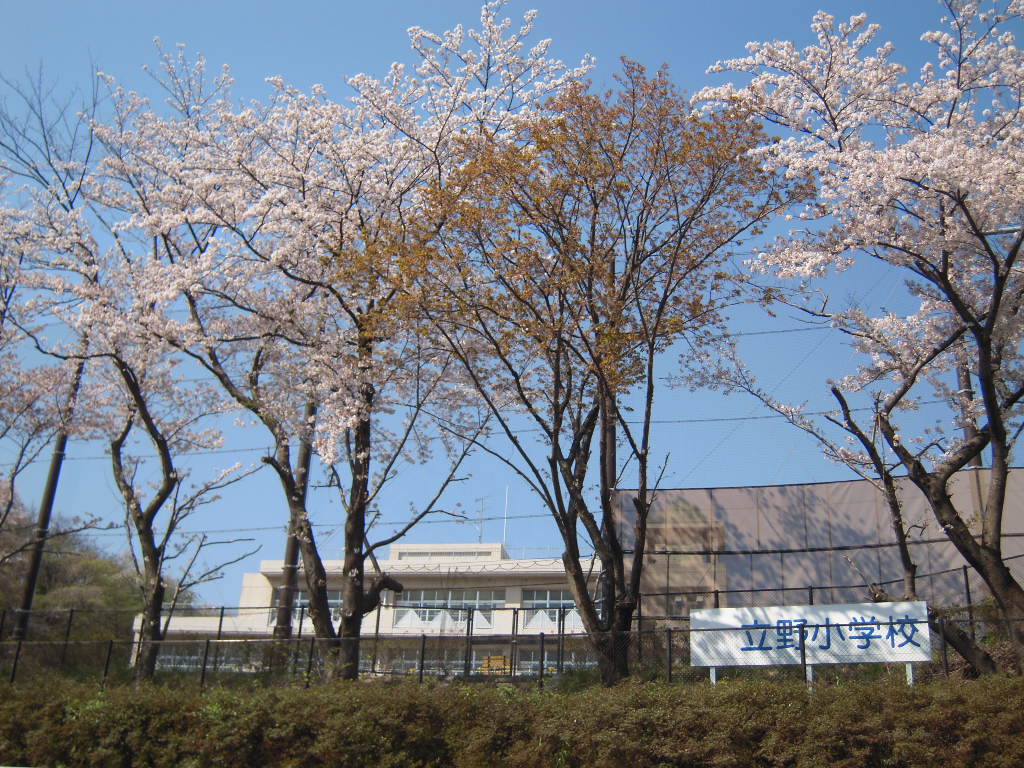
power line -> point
(705, 420)
(106, 457)
(782, 330)
(802, 550)
(218, 451)
(387, 523)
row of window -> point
(445, 555)
(451, 661)
(426, 605)
(241, 657)
(300, 599)
(478, 599)
(481, 599)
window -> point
(550, 601)
(445, 554)
(301, 600)
(427, 604)
(529, 660)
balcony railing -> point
(442, 619)
(547, 620)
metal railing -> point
(223, 622)
(661, 652)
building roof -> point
(446, 558)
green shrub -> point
(739, 723)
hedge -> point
(741, 724)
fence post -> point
(717, 602)
(561, 638)
(309, 661)
(206, 656)
(14, 665)
(810, 595)
(970, 602)
(468, 660)
(423, 654)
(67, 636)
(803, 654)
(945, 650)
(668, 653)
(541, 679)
(514, 650)
(106, 662)
(220, 632)
(639, 631)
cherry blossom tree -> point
(843, 439)
(920, 175)
(88, 292)
(74, 297)
(155, 404)
(283, 231)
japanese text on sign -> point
(850, 633)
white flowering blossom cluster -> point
(923, 174)
(213, 256)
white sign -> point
(851, 633)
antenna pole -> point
(504, 520)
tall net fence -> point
(808, 543)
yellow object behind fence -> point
(496, 665)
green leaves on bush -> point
(741, 724)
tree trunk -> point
(150, 630)
(612, 656)
(296, 492)
(620, 603)
(353, 595)
(316, 582)
(301, 533)
(286, 593)
(354, 574)
(609, 631)
(985, 557)
(352, 613)
(979, 662)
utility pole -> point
(42, 530)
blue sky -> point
(711, 440)
(324, 42)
